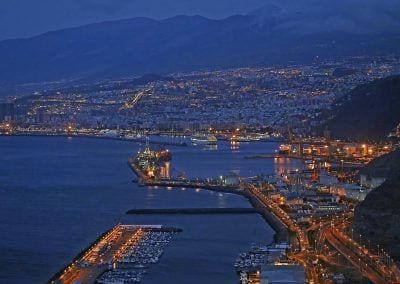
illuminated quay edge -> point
(121, 254)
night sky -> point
(24, 18)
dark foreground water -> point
(58, 194)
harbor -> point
(109, 179)
(285, 192)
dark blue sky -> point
(23, 18)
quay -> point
(195, 211)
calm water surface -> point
(58, 194)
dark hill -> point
(384, 166)
(369, 112)
(378, 216)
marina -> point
(121, 255)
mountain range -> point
(281, 32)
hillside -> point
(369, 112)
(133, 47)
(384, 166)
(378, 216)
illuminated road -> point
(136, 98)
(370, 265)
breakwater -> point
(57, 275)
(184, 184)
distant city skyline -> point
(47, 15)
